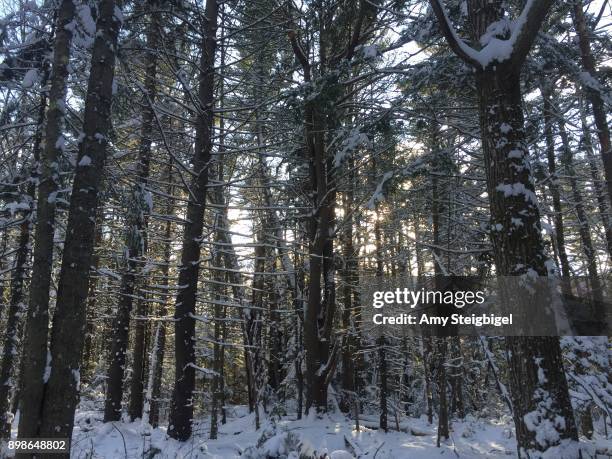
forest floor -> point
(334, 434)
(332, 437)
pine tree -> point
(181, 414)
(62, 386)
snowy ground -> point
(332, 437)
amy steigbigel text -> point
(423, 307)
(492, 306)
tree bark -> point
(181, 411)
(11, 337)
(137, 385)
(515, 220)
(219, 316)
(593, 91)
(135, 248)
(89, 347)
(518, 249)
(62, 390)
(443, 429)
(598, 186)
(383, 389)
(426, 355)
(37, 322)
(349, 273)
(583, 223)
(553, 184)
(163, 310)
(319, 312)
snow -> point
(76, 375)
(85, 161)
(47, 373)
(84, 14)
(379, 195)
(517, 189)
(333, 436)
(60, 144)
(589, 81)
(148, 199)
(30, 78)
(118, 14)
(494, 49)
(14, 206)
(354, 140)
(369, 51)
(547, 228)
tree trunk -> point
(35, 352)
(89, 348)
(426, 354)
(515, 230)
(181, 411)
(319, 311)
(443, 430)
(219, 290)
(163, 310)
(598, 186)
(219, 316)
(275, 334)
(138, 361)
(457, 377)
(17, 307)
(583, 223)
(135, 248)
(518, 249)
(62, 390)
(348, 272)
(593, 91)
(553, 185)
(383, 389)
(254, 323)
(11, 337)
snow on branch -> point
(514, 49)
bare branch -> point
(299, 54)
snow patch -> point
(47, 373)
(30, 79)
(85, 161)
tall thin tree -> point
(62, 389)
(181, 410)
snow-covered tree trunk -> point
(584, 229)
(540, 403)
(37, 322)
(135, 248)
(349, 283)
(518, 249)
(163, 309)
(137, 386)
(62, 389)
(16, 310)
(90, 358)
(593, 91)
(181, 411)
(598, 185)
(553, 185)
